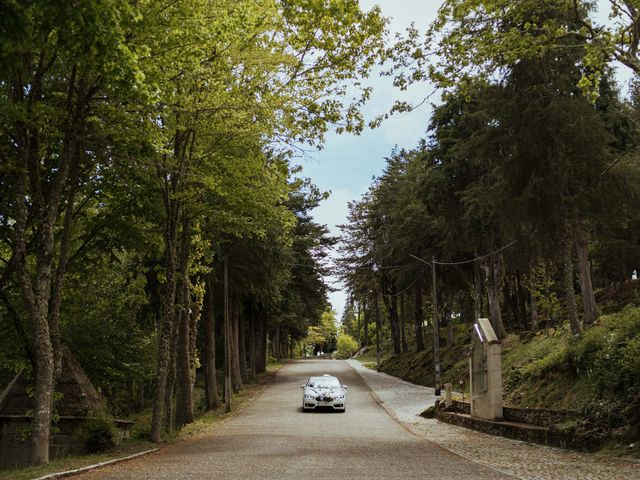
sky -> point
(347, 163)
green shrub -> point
(608, 355)
(347, 346)
(98, 433)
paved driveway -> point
(273, 439)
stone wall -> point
(15, 440)
(542, 417)
(528, 424)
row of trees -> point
(523, 191)
(146, 191)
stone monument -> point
(485, 370)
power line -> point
(463, 262)
(403, 291)
(610, 166)
(619, 159)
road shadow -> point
(319, 410)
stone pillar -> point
(485, 371)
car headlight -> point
(339, 397)
(308, 396)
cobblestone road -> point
(272, 438)
(404, 401)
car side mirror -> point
(345, 387)
(302, 386)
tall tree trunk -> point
(395, 324)
(522, 300)
(467, 308)
(58, 283)
(164, 349)
(478, 284)
(36, 301)
(259, 342)
(195, 310)
(184, 391)
(45, 197)
(291, 346)
(242, 349)
(391, 303)
(534, 312)
(567, 283)
(236, 377)
(252, 344)
(446, 315)
(227, 338)
(275, 343)
(367, 312)
(436, 324)
(172, 210)
(263, 343)
(169, 392)
(212, 401)
(418, 318)
(493, 274)
(590, 308)
(378, 328)
(44, 385)
(359, 322)
(510, 296)
(533, 301)
(403, 337)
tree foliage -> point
(143, 144)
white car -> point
(324, 391)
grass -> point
(74, 462)
(596, 374)
(203, 425)
(538, 370)
(368, 358)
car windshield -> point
(324, 383)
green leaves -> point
(481, 39)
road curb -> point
(96, 466)
(384, 405)
(418, 434)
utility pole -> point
(358, 308)
(227, 341)
(378, 327)
(436, 326)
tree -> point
(183, 121)
(58, 63)
(346, 346)
(475, 39)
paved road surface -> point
(273, 439)
(523, 460)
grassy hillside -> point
(597, 373)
